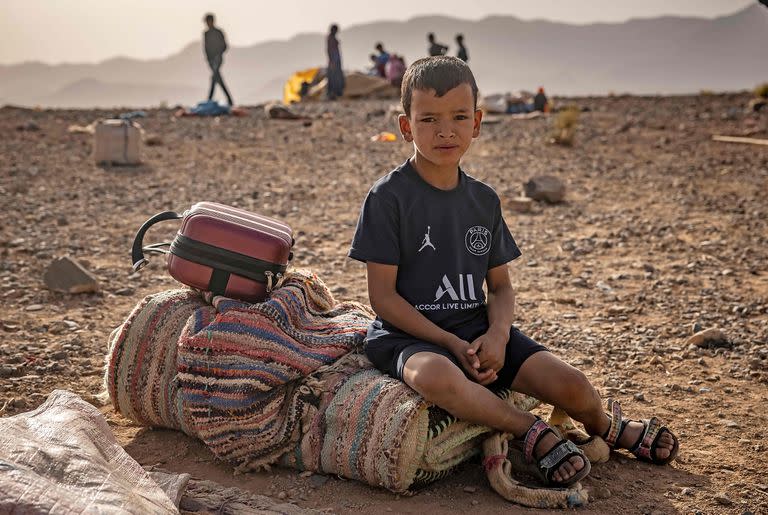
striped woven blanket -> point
(283, 381)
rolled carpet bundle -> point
(283, 381)
(142, 363)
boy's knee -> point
(435, 377)
(578, 392)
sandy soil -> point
(662, 229)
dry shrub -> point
(762, 90)
(564, 127)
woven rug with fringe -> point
(283, 382)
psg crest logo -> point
(478, 240)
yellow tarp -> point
(293, 84)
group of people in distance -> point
(436, 48)
(392, 66)
(387, 66)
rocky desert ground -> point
(663, 232)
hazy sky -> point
(55, 31)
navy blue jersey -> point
(443, 242)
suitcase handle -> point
(137, 252)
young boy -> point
(430, 235)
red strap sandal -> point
(646, 445)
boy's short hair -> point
(441, 73)
(209, 17)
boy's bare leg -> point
(553, 381)
(441, 382)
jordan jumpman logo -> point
(427, 242)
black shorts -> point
(389, 351)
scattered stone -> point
(58, 327)
(10, 328)
(602, 492)
(59, 355)
(686, 491)
(153, 140)
(28, 127)
(603, 286)
(731, 424)
(125, 292)
(520, 204)
(8, 371)
(317, 480)
(709, 338)
(470, 489)
(34, 307)
(282, 495)
(580, 282)
(639, 396)
(545, 187)
(723, 499)
(68, 276)
(278, 111)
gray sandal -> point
(546, 466)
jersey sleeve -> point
(376, 237)
(503, 246)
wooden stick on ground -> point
(735, 139)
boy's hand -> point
(470, 361)
(490, 350)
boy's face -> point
(442, 128)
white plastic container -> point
(117, 142)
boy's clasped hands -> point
(482, 358)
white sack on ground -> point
(63, 458)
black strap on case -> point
(137, 252)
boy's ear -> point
(478, 122)
(405, 127)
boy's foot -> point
(569, 468)
(648, 439)
(632, 432)
(558, 462)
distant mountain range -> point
(663, 55)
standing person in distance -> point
(335, 74)
(462, 53)
(435, 48)
(215, 45)
(381, 59)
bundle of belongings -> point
(522, 103)
(311, 84)
(285, 382)
(210, 108)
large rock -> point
(545, 187)
(711, 338)
(68, 276)
(278, 111)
